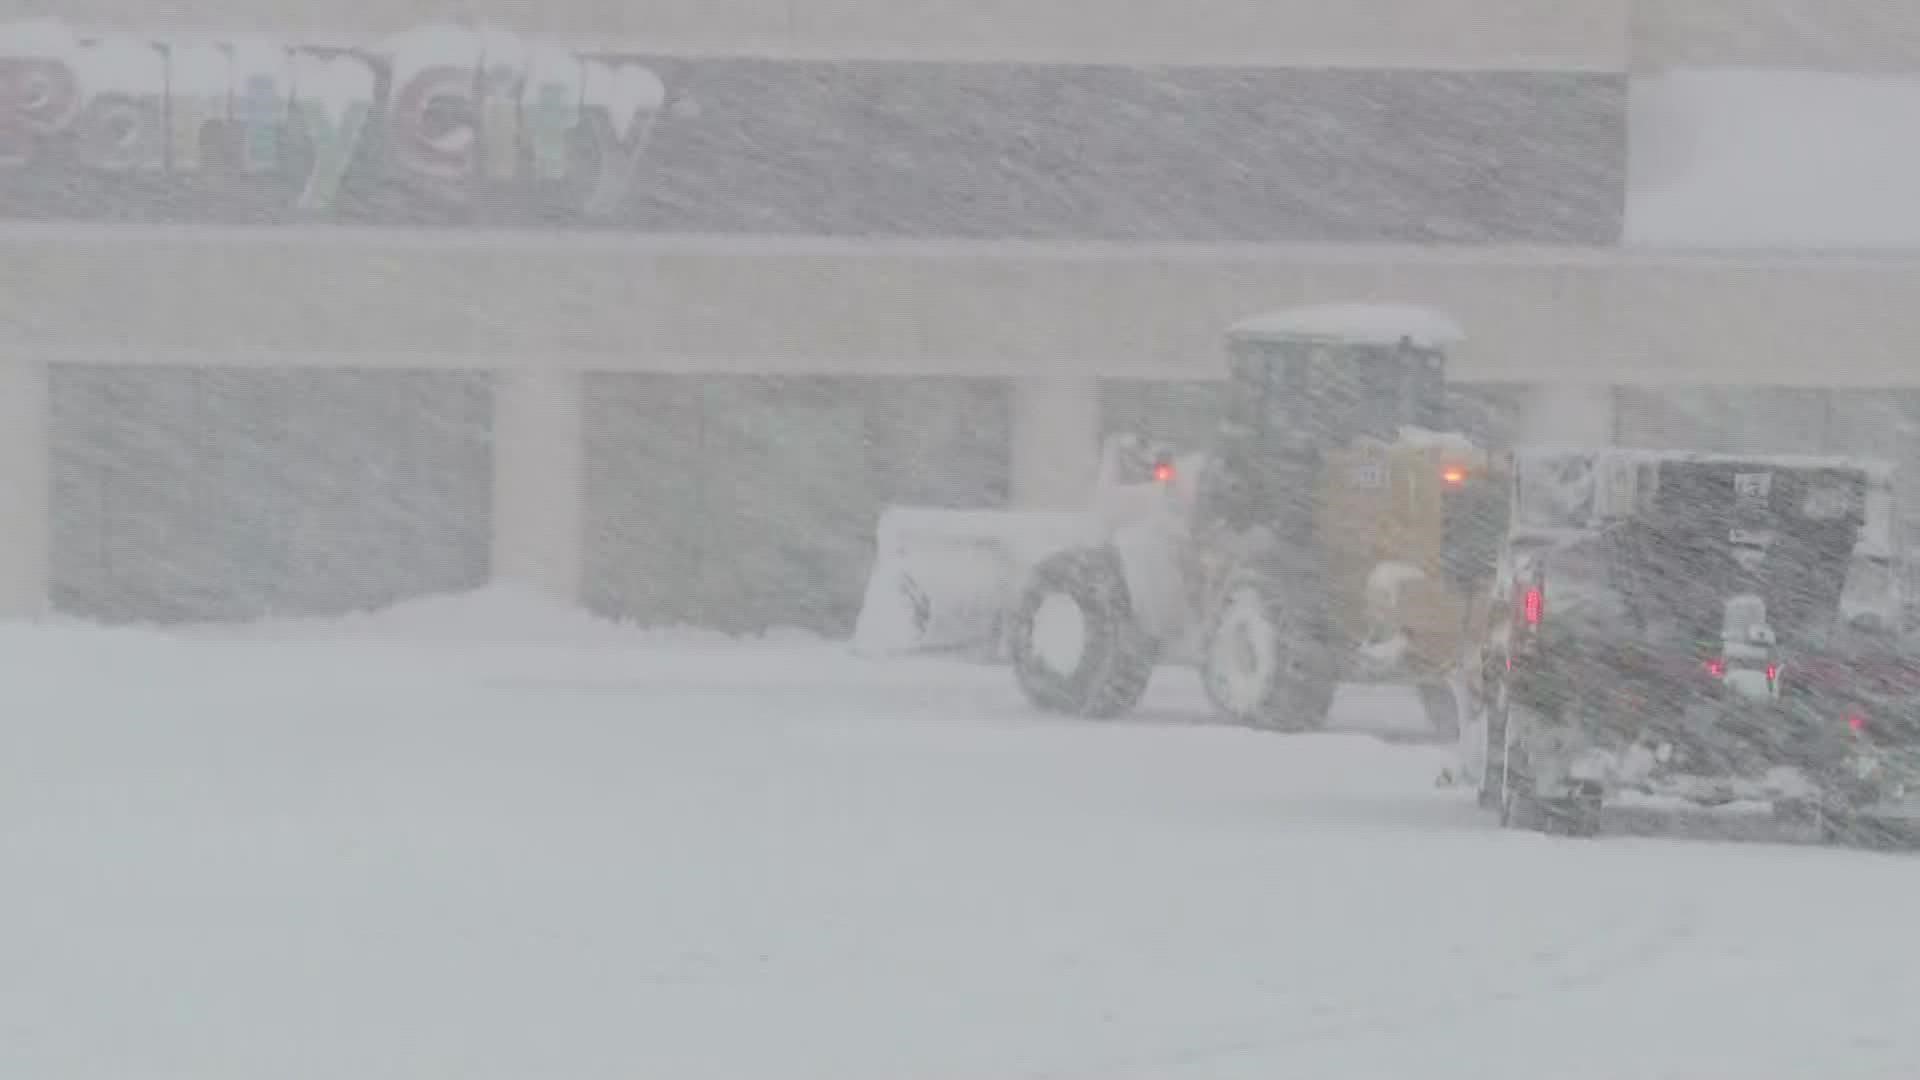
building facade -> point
(306, 308)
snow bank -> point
(498, 614)
(516, 614)
(1773, 159)
(1367, 324)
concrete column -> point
(1568, 416)
(538, 481)
(1056, 442)
(26, 512)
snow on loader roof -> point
(1362, 324)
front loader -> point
(1334, 533)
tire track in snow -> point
(1558, 969)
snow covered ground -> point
(480, 838)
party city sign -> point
(449, 111)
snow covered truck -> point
(1335, 532)
(1697, 633)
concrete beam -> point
(1568, 415)
(423, 299)
(1861, 36)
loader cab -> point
(1307, 382)
(1326, 377)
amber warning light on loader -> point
(1453, 476)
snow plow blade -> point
(1877, 828)
(944, 580)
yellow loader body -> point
(1383, 532)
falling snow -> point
(1266, 540)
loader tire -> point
(1107, 671)
(1266, 661)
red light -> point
(1453, 476)
(1856, 721)
(1533, 606)
(1162, 472)
(1716, 668)
(1773, 672)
